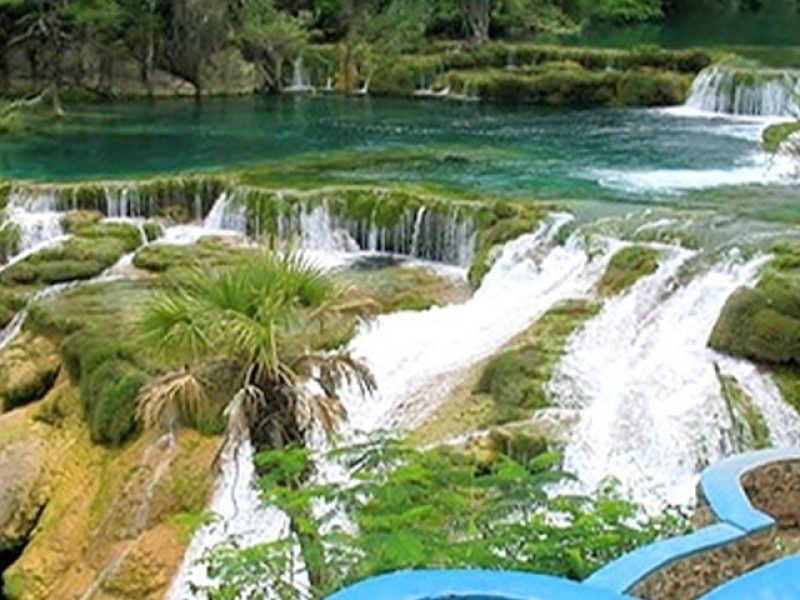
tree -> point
(476, 14)
(143, 25)
(265, 320)
(411, 508)
(268, 37)
(196, 30)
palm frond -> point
(171, 399)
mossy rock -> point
(109, 389)
(28, 369)
(516, 379)
(750, 327)
(398, 288)
(775, 135)
(208, 252)
(94, 248)
(10, 304)
(9, 241)
(75, 218)
(627, 267)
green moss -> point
(397, 288)
(750, 429)
(15, 584)
(75, 218)
(208, 252)
(108, 394)
(94, 248)
(750, 327)
(9, 241)
(498, 224)
(788, 381)
(10, 304)
(28, 389)
(558, 84)
(626, 268)
(775, 135)
(516, 378)
(100, 351)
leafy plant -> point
(411, 508)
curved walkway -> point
(737, 532)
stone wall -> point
(744, 504)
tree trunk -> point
(278, 58)
(304, 526)
(477, 18)
(55, 99)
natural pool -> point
(620, 155)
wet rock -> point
(28, 370)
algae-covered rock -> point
(511, 386)
(752, 326)
(28, 368)
(626, 268)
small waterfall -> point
(37, 218)
(416, 357)
(301, 81)
(653, 411)
(240, 515)
(13, 329)
(511, 60)
(424, 233)
(226, 215)
(749, 92)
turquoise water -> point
(608, 155)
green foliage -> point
(626, 268)
(568, 84)
(435, 508)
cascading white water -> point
(37, 218)
(781, 419)
(416, 357)
(653, 411)
(240, 516)
(749, 92)
(301, 81)
(421, 233)
(12, 330)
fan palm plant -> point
(265, 318)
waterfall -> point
(301, 82)
(416, 358)
(423, 233)
(37, 218)
(653, 411)
(240, 515)
(12, 330)
(749, 92)
(511, 60)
